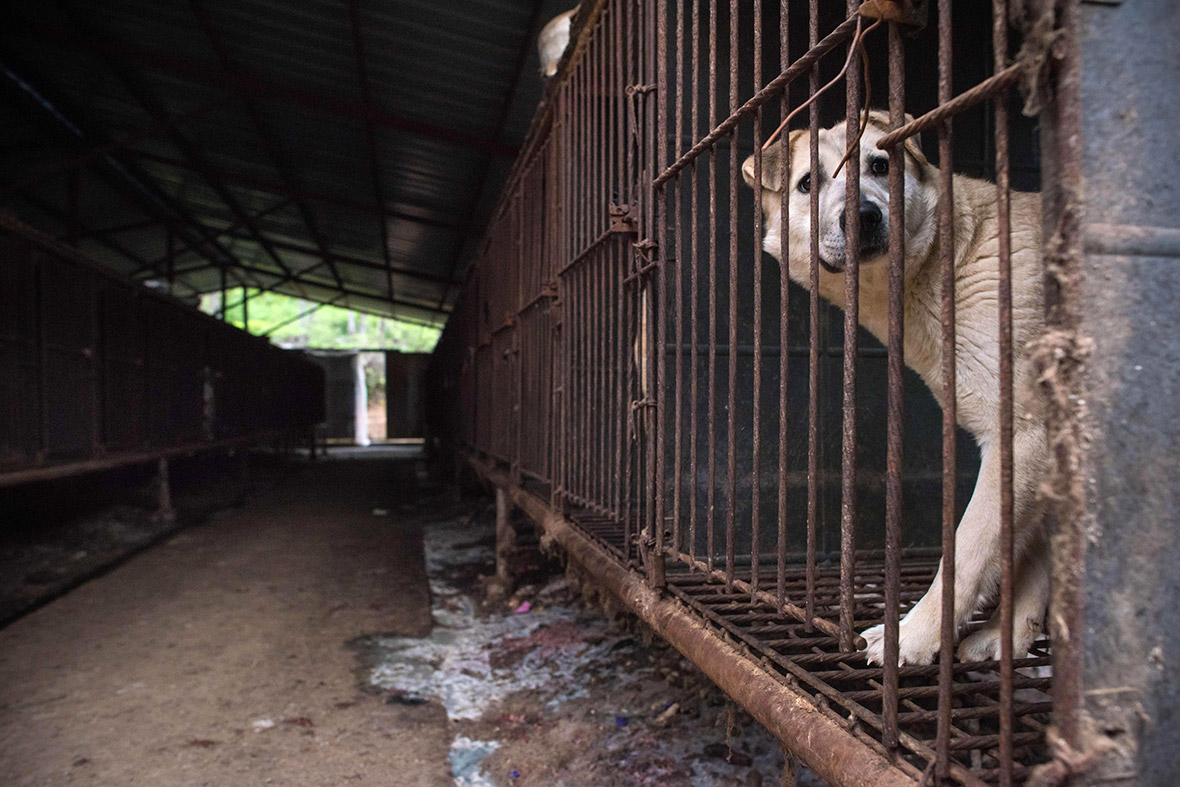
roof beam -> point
(168, 63)
(156, 263)
(530, 35)
(188, 149)
(106, 243)
(362, 69)
(96, 151)
(351, 260)
(279, 189)
(269, 142)
(301, 280)
(140, 190)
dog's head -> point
(921, 197)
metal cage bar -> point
(643, 309)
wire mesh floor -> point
(842, 684)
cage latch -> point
(621, 220)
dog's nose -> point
(870, 216)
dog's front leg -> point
(976, 569)
(977, 551)
(1028, 610)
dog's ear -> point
(913, 146)
(772, 163)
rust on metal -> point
(626, 249)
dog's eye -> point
(804, 185)
(879, 166)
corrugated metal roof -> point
(247, 128)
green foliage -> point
(328, 327)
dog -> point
(553, 40)
(976, 254)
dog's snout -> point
(870, 216)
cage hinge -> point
(907, 12)
(621, 220)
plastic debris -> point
(524, 607)
(621, 721)
(262, 724)
(667, 714)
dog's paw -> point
(915, 645)
(984, 645)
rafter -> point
(141, 191)
(269, 142)
(274, 187)
(196, 70)
(190, 150)
(29, 179)
(353, 260)
(362, 69)
(522, 54)
(301, 280)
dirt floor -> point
(307, 637)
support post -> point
(505, 538)
(164, 510)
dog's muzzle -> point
(874, 235)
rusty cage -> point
(725, 452)
(100, 372)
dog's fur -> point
(977, 552)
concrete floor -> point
(171, 669)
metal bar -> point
(732, 263)
(946, 246)
(362, 70)
(693, 275)
(154, 265)
(712, 447)
(1062, 146)
(269, 143)
(172, 64)
(678, 246)
(839, 35)
(948, 108)
(848, 450)
(896, 388)
(249, 181)
(784, 253)
(95, 152)
(756, 409)
(813, 320)
(1004, 308)
(826, 746)
(660, 305)
(301, 315)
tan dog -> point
(977, 553)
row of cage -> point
(786, 441)
(95, 369)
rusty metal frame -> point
(96, 397)
(612, 225)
